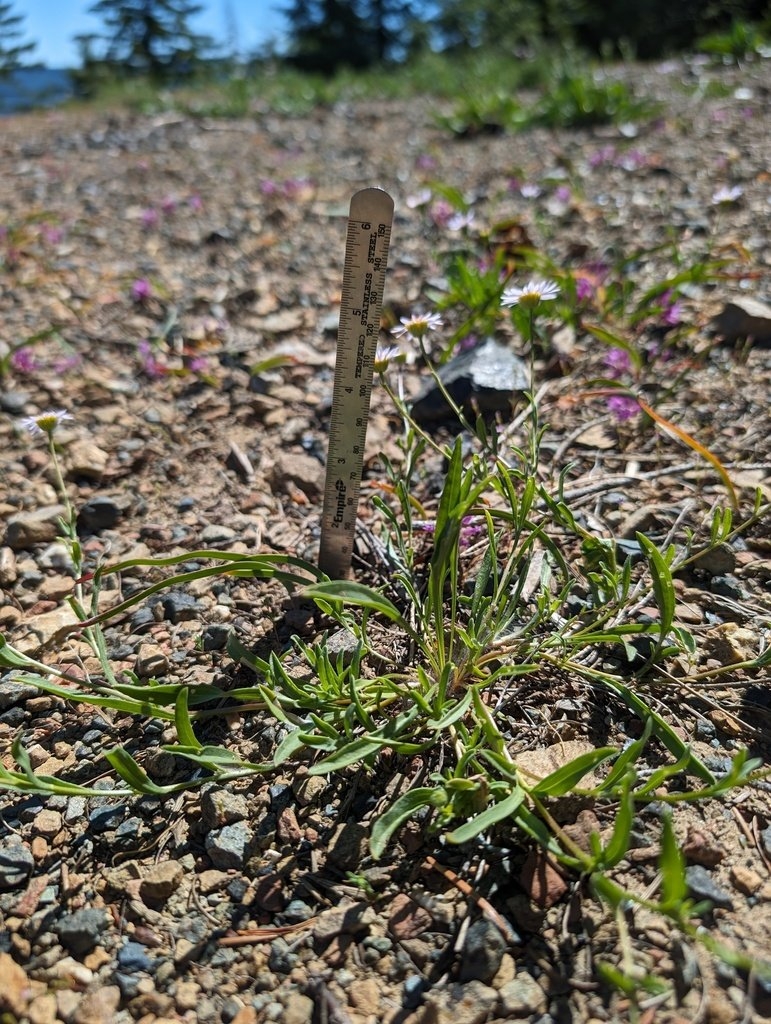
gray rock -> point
(487, 379)
(281, 959)
(765, 838)
(521, 997)
(80, 932)
(220, 807)
(16, 864)
(104, 819)
(99, 513)
(217, 534)
(180, 607)
(229, 848)
(482, 951)
(743, 318)
(215, 636)
(12, 693)
(26, 529)
(702, 886)
(472, 1003)
(726, 586)
(14, 402)
(132, 957)
(717, 561)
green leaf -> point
(564, 779)
(185, 733)
(674, 887)
(490, 816)
(661, 578)
(128, 769)
(618, 843)
(400, 810)
(350, 592)
(626, 758)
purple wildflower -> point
(441, 212)
(623, 407)
(671, 309)
(470, 528)
(52, 234)
(618, 362)
(195, 202)
(584, 289)
(24, 360)
(150, 218)
(141, 290)
(152, 366)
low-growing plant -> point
(494, 583)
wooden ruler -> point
(366, 257)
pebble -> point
(521, 997)
(729, 644)
(85, 460)
(14, 987)
(717, 561)
(215, 636)
(228, 848)
(79, 932)
(703, 887)
(99, 513)
(460, 1004)
(151, 661)
(407, 920)
(99, 1006)
(726, 586)
(48, 823)
(8, 572)
(27, 529)
(281, 959)
(482, 951)
(745, 879)
(16, 864)
(104, 819)
(216, 533)
(301, 471)
(486, 378)
(179, 606)
(12, 693)
(132, 957)
(161, 881)
(221, 807)
(142, 620)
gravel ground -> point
(223, 241)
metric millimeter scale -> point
(366, 257)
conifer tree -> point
(150, 37)
(12, 52)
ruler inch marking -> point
(364, 269)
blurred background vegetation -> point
(434, 45)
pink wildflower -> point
(141, 290)
(150, 218)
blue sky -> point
(53, 23)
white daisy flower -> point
(531, 295)
(417, 326)
(45, 423)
